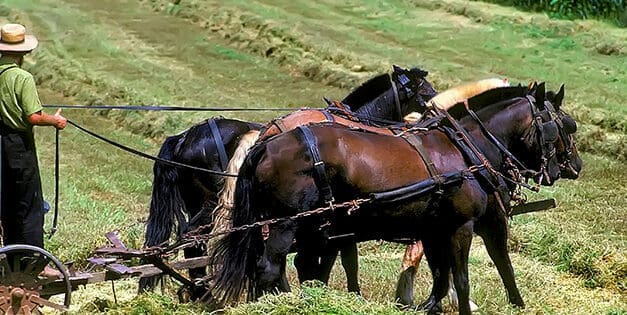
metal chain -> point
(196, 236)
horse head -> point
(566, 150)
(413, 88)
(551, 134)
(535, 131)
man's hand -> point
(61, 121)
(42, 119)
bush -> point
(615, 10)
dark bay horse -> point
(280, 178)
(491, 226)
(188, 197)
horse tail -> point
(222, 213)
(166, 203)
(236, 253)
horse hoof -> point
(517, 301)
(430, 307)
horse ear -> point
(541, 94)
(397, 69)
(419, 73)
(559, 97)
(532, 87)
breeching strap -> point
(322, 181)
(217, 138)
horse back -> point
(307, 116)
(370, 162)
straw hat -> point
(13, 38)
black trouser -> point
(22, 200)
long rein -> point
(156, 159)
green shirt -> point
(18, 97)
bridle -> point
(408, 90)
(546, 127)
(566, 158)
(542, 131)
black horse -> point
(187, 197)
(458, 169)
(181, 195)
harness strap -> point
(415, 141)
(328, 116)
(217, 138)
(471, 156)
(492, 138)
(321, 179)
(279, 124)
(487, 172)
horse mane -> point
(368, 91)
(449, 98)
(452, 96)
(488, 98)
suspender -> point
(2, 127)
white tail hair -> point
(222, 212)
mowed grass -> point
(570, 260)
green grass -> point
(569, 260)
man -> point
(20, 109)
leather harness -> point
(217, 138)
(320, 174)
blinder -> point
(550, 131)
(570, 126)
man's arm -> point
(42, 119)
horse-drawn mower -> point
(24, 291)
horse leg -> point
(327, 260)
(460, 245)
(271, 265)
(493, 230)
(192, 252)
(405, 285)
(438, 251)
(452, 296)
(307, 260)
(350, 262)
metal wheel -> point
(21, 284)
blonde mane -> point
(222, 212)
(452, 96)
